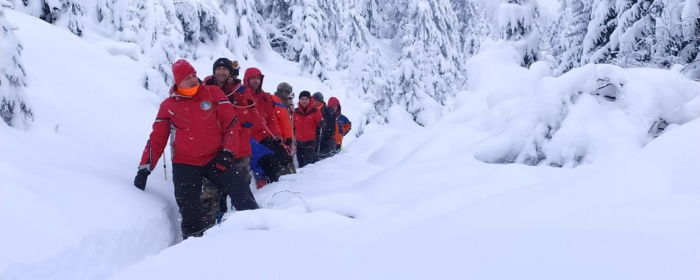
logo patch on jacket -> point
(206, 105)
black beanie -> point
(304, 94)
(225, 62)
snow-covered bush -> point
(591, 113)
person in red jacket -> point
(214, 201)
(281, 99)
(342, 124)
(307, 118)
(265, 130)
(204, 132)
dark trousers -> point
(188, 191)
(214, 202)
(273, 164)
(306, 152)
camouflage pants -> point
(212, 197)
(288, 169)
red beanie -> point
(182, 69)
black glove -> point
(224, 160)
(271, 142)
(140, 180)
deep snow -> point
(400, 202)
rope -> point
(268, 205)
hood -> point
(334, 101)
(252, 72)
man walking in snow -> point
(326, 143)
(265, 130)
(205, 134)
(342, 124)
(281, 99)
(307, 119)
(224, 76)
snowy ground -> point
(400, 202)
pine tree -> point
(374, 15)
(517, 22)
(690, 38)
(428, 67)
(577, 14)
(473, 25)
(279, 16)
(243, 26)
(14, 107)
(200, 22)
(308, 41)
(332, 15)
(690, 51)
(68, 14)
(634, 32)
(597, 44)
(353, 37)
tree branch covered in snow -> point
(406, 53)
(14, 106)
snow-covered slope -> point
(67, 199)
(424, 208)
(400, 202)
(407, 202)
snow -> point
(400, 202)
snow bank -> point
(66, 200)
(67, 192)
(592, 113)
(410, 202)
(432, 211)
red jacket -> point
(342, 124)
(199, 128)
(306, 120)
(235, 91)
(283, 118)
(266, 125)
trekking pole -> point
(165, 166)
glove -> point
(224, 160)
(141, 177)
(271, 142)
(288, 142)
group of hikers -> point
(224, 132)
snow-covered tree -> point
(578, 15)
(516, 19)
(634, 32)
(427, 68)
(374, 14)
(307, 40)
(14, 107)
(353, 37)
(597, 45)
(65, 13)
(279, 27)
(473, 25)
(200, 21)
(332, 17)
(690, 51)
(551, 47)
(244, 26)
(296, 31)
(369, 85)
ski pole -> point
(165, 166)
